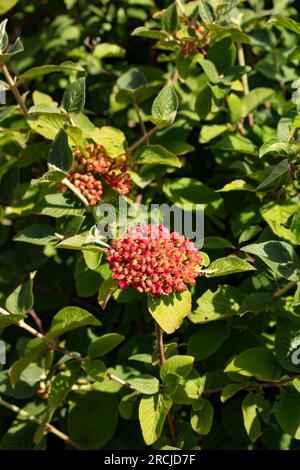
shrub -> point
(126, 335)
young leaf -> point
(74, 96)
(165, 107)
(229, 265)
(169, 19)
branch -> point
(241, 60)
(51, 344)
(76, 192)
(284, 289)
(142, 140)
(14, 89)
(48, 426)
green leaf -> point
(180, 365)
(221, 304)
(235, 143)
(37, 235)
(229, 265)
(3, 36)
(60, 155)
(21, 299)
(202, 419)
(237, 185)
(206, 12)
(279, 256)
(61, 386)
(287, 343)
(42, 70)
(284, 22)
(287, 411)
(169, 20)
(14, 49)
(95, 368)
(113, 140)
(74, 97)
(208, 339)
(149, 33)
(273, 146)
(7, 5)
(210, 132)
(70, 318)
(216, 243)
(170, 383)
(132, 87)
(92, 259)
(222, 53)
(144, 383)
(155, 155)
(106, 290)
(92, 418)
(164, 108)
(170, 311)
(255, 408)
(210, 70)
(106, 49)
(204, 102)
(257, 362)
(48, 124)
(231, 389)
(277, 177)
(153, 411)
(104, 344)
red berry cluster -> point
(90, 171)
(153, 260)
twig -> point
(162, 360)
(120, 381)
(182, 11)
(241, 60)
(51, 344)
(141, 140)
(76, 192)
(284, 289)
(14, 89)
(37, 320)
(254, 387)
(48, 426)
